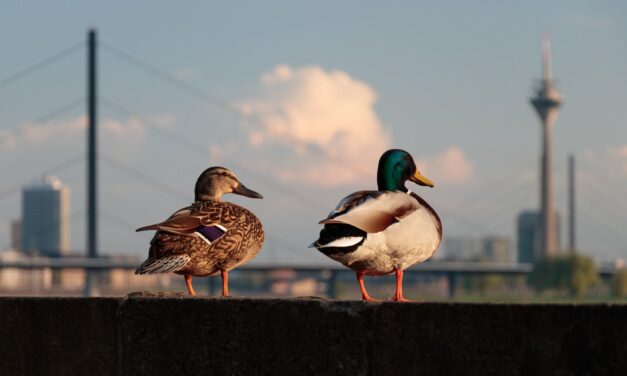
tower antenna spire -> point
(546, 58)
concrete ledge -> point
(143, 335)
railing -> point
(330, 275)
(111, 263)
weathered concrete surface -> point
(245, 337)
(176, 335)
(40, 336)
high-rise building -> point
(496, 249)
(45, 217)
(528, 228)
(528, 235)
(546, 102)
(485, 249)
(16, 235)
(461, 248)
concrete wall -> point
(178, 335)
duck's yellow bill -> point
(420, 179)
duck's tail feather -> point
(346, 241)
(339, 238)
(163, 265)
(146, 228)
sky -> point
(300, 99)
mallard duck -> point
(208, 237)
(385, 231)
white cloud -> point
(128, 131)
(7, 139)
(619, 155)
(38, 133)
(621, 151)
(324, 119)
(450, 166)
(132, 128)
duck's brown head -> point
(216, 181)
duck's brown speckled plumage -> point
(209, 236)
(177, 238)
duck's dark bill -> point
(242, 190)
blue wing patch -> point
(211, 233)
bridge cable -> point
(143, 177)
(25, 72)
(60, 111)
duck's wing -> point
(181, 222)
(372, 211)
(185, 230)
(436, 217)
(209, 222)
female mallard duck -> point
(385, 231)
(208, 237)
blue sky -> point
(449, 81)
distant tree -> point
(572, 272)
(619, 283)
(484, 284)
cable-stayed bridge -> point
(494, 199)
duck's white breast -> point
(411, 240)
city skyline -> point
(420, 99)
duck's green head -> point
(395, 168)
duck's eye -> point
(399, 171)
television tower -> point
(546, 103)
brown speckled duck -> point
(208, 237)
